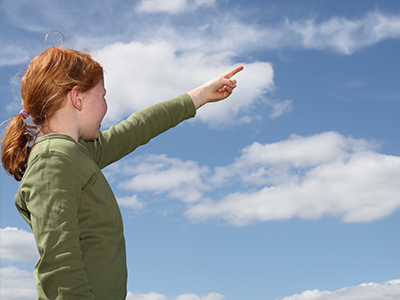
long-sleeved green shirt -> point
(71, 208)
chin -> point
(96, 136)
(91, 137)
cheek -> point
(105, 107)
(102, 108)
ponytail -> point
(16, 145)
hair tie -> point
(24, 113)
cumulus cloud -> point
(307, 177)
(368, 291)
(140, 74)
(18, 245)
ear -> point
(76, 98)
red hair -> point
(44, 86)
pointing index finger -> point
(233, 72)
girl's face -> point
(95, 108)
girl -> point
(63, 194)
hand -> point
(215, 90)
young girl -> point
(63, 194)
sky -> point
(287, 190)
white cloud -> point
(16, 284)
(131, 202)
(368, 291)
(138, 75)
(171, 6)
(18, 245)
(159, 174)
(307, 177)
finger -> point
(229, 82)
(233, 72)
(226, 88)
(221, 90)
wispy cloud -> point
(97, 27)
(344, 35)
(368, 291)
(338, 34)
(307, 177)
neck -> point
(64, 122)
(52, 128)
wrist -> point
(197, 98)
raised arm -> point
(146, 124)
(214, 90)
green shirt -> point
(72, 210)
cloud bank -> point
(305, 177)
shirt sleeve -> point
(52, 194)
(139, 129)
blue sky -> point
(287, 190)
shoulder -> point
(54, 145)
(55, 151)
